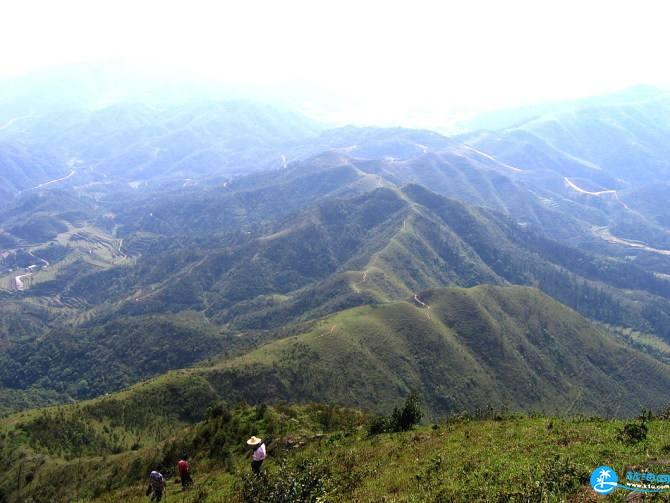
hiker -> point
(156, 485)
(184, 473)
(258, 455)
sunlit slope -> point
(326, 452)
(466, 348)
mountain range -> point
(247, 241)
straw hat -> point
(254, 441)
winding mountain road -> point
(46, 262)
(491, 158)
(18, 281)
(604, 233)
(598, 193)
(62, 179)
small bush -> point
(261, 410)
(402, 419)
(410, 415)
(632, 433)
(304, 483)
(215, 410)
(379, 424)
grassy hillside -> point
(318, 453)
(462, 348)
(109, 443)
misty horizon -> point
(96, 86)
(428, 66)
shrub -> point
(304, 483)
(410, 415)
(261, 410)
(215, 410)
(632, 433)
(645, 415)
(402, 419)
(379, 424)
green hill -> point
(211, 294)
(406, 240)
(467, 348)
(475, 349)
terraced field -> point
(86, 243)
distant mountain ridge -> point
(133, 143)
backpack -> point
(156, 479)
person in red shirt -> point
(184, 472)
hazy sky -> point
(381, 60)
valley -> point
(86, 243)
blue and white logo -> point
(604, 480)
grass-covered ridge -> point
(181, 301)
(463, 349)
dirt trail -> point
(604, 233)
(330, 332)
(419, 301)
(422, 304)
(363, 279)
(614, 193)
(41, 185)
(19, 281)
(46, 262)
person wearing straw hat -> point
(258, 455)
